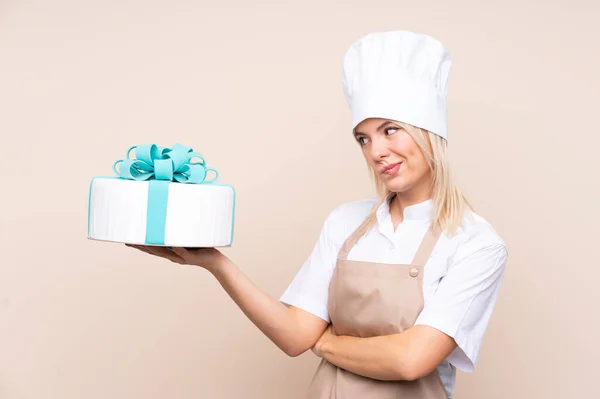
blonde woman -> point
(398, 291)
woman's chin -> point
(396, 187)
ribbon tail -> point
(156, 213)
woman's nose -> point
(379, 149)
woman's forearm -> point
(375, 357)
(408, 355)
(272, 317)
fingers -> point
(159, 251)
(165, 253)
(139, 248)
(316, 351)
(207, 257)
(181, 252)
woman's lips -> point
(392, 169)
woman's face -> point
(394, 156)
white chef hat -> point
(398, 75)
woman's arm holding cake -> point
(292, 329)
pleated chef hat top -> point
(398, 75)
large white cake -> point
(133, 208)
(197, 215)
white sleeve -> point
(463, 303)
(309, 290)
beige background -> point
(256, 88)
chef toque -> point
(398, 75)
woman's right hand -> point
(208, 258)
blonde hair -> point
(449, 204)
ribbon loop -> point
(164, 163)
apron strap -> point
(426, 248)
(423, 252)
(353, 239)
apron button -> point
(414, 272)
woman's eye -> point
(392, 128)
(361, 140)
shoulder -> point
(476, 236)
(355, 210)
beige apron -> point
(369, 299)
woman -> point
(398, 291)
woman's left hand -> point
(325, 338)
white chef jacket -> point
(461, 279)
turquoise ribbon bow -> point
(163, 163)
(161, 166)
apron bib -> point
(369, 299)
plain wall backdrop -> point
(256, 88)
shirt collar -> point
(420, 211)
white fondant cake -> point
(180, 215)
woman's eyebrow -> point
(384, 124)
